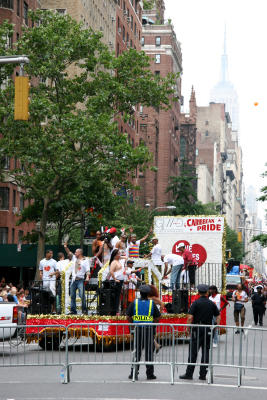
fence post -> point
(210, 374)
(67, 367)
(173, 356)
(239, 370)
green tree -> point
(237, 251)
(71, 137)
(262, 238)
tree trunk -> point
(41, 239)
(60, 232)
(82, 229)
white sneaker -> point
(215, 345)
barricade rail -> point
(87, 344)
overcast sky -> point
(199, 26)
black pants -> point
(258, 312)
(144, 338)
(192, 274)
(117, 290)
(200, 338)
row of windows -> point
(5, 199)
(134, 3)
(4, 235)
(157, 41)
(10, 4)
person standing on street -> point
(240, 297)
(176, 262)
(143, 312)
(258, 305)
(217, 299)
(201, 312)
(80, 268)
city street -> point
(110, 382)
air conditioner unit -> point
(113, 19)
(125, 12)
(128, 44)
(128, 19)
(15, 210)
(119, 30)
(110, 44)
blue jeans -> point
(175, 276)
(79, 284)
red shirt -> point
(188, 258)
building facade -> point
(99, 15)
(160, 130)
(12, 197)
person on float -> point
(189, 264)
(176, 264)
(143, 312)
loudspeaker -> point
(180, 301)
(41, 301)
(107, 302)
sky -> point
(199, 26)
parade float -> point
(204, 236)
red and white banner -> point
(203, 236)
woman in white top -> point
(240, 297)
(116, 275)
(217, 299)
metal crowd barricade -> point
(32, 345)
(109, 343)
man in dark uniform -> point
(258, 305)
(143, 312)
(201, 312)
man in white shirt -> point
(48, 271)
(114, 238)
(156, 254)
(79, 269)
(176, 262)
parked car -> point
(8, 320)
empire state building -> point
(224, 91)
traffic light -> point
(239, 237)
(22, 88)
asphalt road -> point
(111, 382)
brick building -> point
(12, 197)
(160, 130)
(100, 15)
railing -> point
(87, 344)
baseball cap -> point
(202, 288)
(145, 289)
(130, 262)
(113, 230)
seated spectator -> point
(13, 291)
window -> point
(131, 22)
(5, 162)
(21, 201)
(142, 41)
(3, 235)
(14, 198)
(196, 152)
(6, 4)
(20, 236)
(61, 11)
(207, 133)
(123, 33)
(4, 198)
(13, 235)
(157, 59)
(157, 73)
(207, 123)
(18, 8)
(25, 12)
(158, 40)
(182, 148)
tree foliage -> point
(262, 238)
(72, 154)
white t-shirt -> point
(47, 267)
(156, 254)
(240, 297)
(173, 259)
(114, 241)
(216, 300)
(82, 267)
(62, 264)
